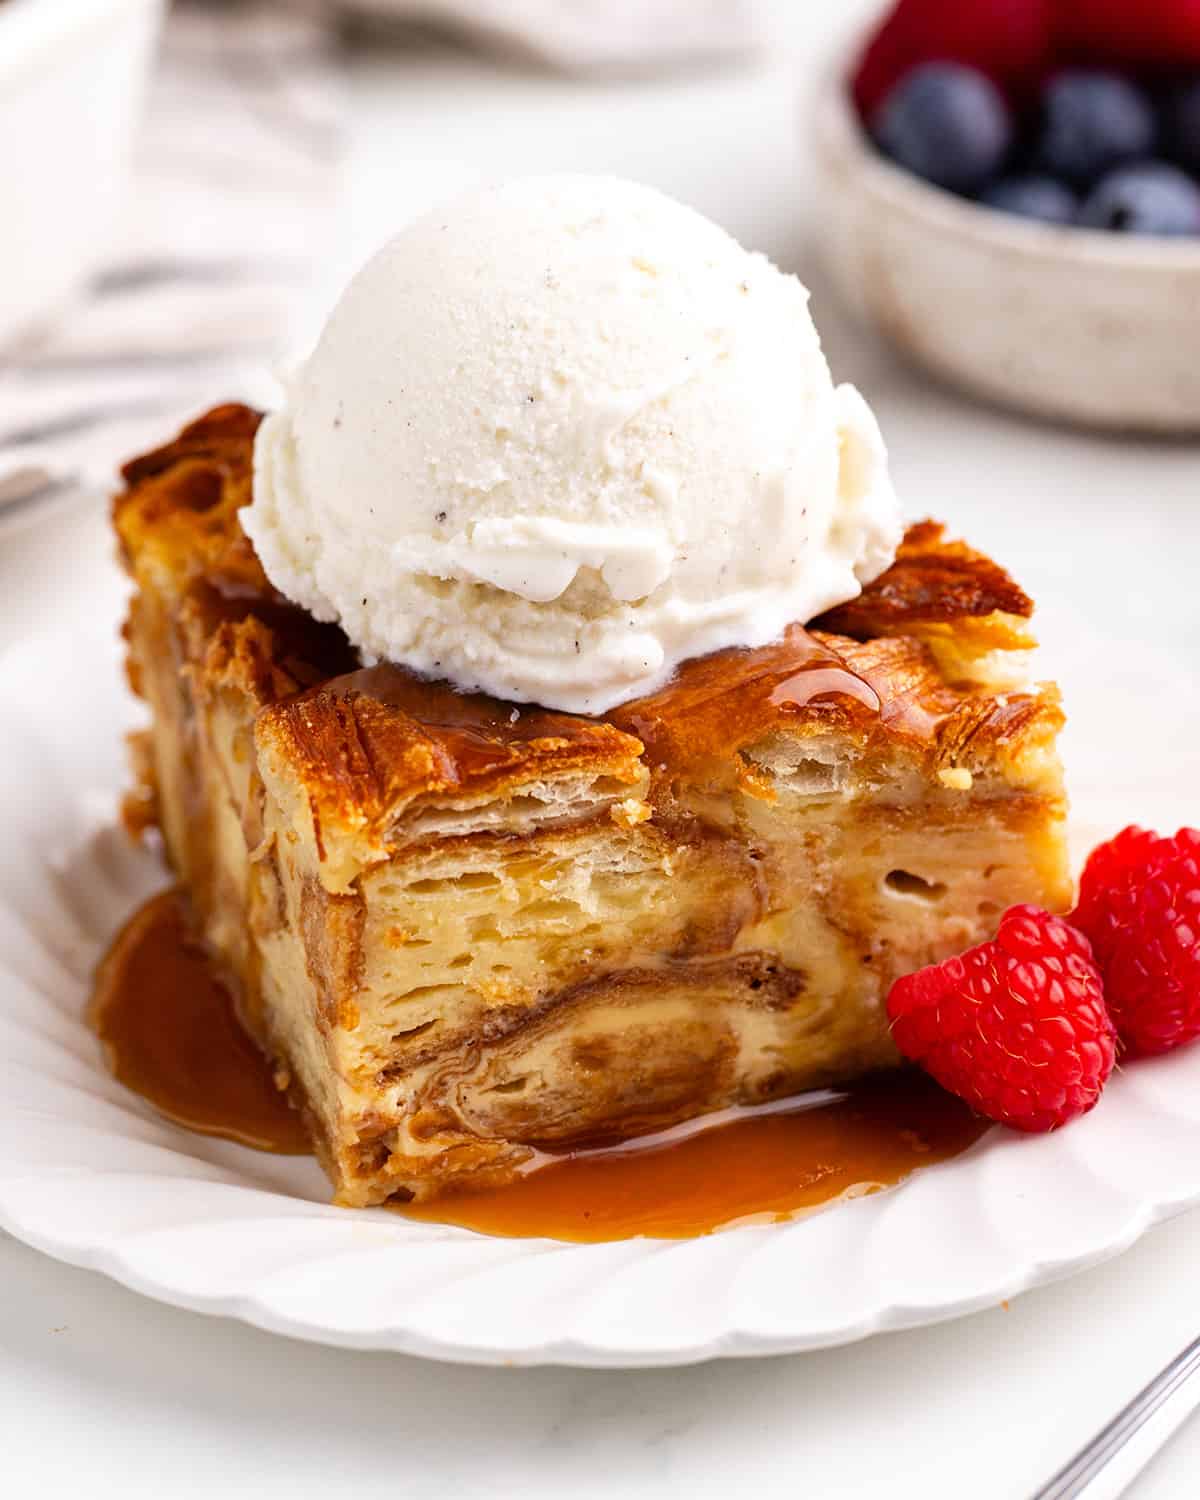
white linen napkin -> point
(234, 182)
(582, 35)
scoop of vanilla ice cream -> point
(561, 435)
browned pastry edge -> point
(931, 581)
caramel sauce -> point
(822, 679)
(761, 1166)
(172, 1034)
(715, 703)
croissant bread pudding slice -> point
(467, 929)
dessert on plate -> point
(554, 727)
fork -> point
(1108, 1465)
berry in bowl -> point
(1092, 153)
(1013, 196)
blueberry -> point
(1150, 198)
(947, 123)
(1182, 120)
(1092, 122)
(1032, 197)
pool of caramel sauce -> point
(171, 1033)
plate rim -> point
(45, 1222)
(572, 1353)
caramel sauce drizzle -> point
(171, 1033)
(716, 703)
(761, 1166)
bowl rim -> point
(840, 134)
(33, 33)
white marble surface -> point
(105, 1393)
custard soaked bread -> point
(467, 929)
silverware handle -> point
(1118, 1453)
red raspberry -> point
(1139, 903)
(1126, 34)
(1016, 1027)
(1009, 40)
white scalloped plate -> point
(91, 1174)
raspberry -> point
(1017, 1027)
(1139, 903)
(1011, 41)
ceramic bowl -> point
(1069, 324)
